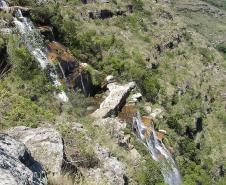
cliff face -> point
(175, 53)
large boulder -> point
(110, 171)
(45, 144)
(17, 167)
(115, 100)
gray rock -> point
(136, 97)
(17, 167)
(114, 101)
(135, 157)
(78, 127)
(111, 170)
(45, 144)
(109, 79)
(156, 112)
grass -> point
(188, 81)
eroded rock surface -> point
(111, 170)
(115, 100)
(17, 167)
(45, 144)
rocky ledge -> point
(45, 144)
(115, 100)
(17, 166)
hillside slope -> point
(174, 51)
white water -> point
(159, 153)
(33, 41)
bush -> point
(222, 48)
(151, 88)
(172, 122)
(138, 5)
(149, 173)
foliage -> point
(151, 88)
(173, 123)
(149, 173)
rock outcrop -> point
(17, 166)
(69, 69)
(115, 100)
(111, 169)
(45, 144)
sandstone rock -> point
(115, 100)
(45, 144)
(17, 167)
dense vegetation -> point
(175, 67)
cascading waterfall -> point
(159, 152)
(33, 41)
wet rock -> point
(69, 69)
(114, 101)
(17, 167)
(147, 120)
(128, 112)
(45, 144)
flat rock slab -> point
(114, 101)
(17, 166)
(45, 144)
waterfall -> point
(33, 40)
(159, 152)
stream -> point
(158, 152)
(34, 43)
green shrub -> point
(149, 173)
(222, 48)
(173, 123)
(151, 88)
